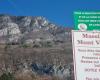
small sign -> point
(86, 55)
(87, 20)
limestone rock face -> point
(20, 29)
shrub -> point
(7, 76)
(25, 46)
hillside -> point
(35, 46)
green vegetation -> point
(25, 45)
(46, 44)
(7, 76)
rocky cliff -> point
(31, 30)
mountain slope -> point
(36, 48)
(31, 30)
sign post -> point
(86, 55)
(87, 20)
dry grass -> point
(36, 78)
(54, 55)
(28, 75)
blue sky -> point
(57, 11)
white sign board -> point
(86, 55)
